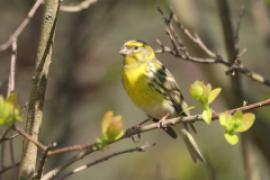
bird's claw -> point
(162, 122)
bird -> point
(152, 87)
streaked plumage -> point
(153, 88)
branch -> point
(91, 148)
(181, 52)
(43, 161)
(85, 4)
(106, 158)
(13, 37)
(65, 8)
(11, 89)
(40, 77)
(11, 79)
(134, 130)
(29, 138)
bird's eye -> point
(136, 48)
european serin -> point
(153, 89)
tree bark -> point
(40, 77)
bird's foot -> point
(162, 121)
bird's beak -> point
(123, 51)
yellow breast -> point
(136, 84)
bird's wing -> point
(163, 81)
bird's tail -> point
(192, 146)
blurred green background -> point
(85, 82)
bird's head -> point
(136, 51)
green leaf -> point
(238, 115)
(246, 122)
(203, 92)
(106, 122)
(5, 112)
(213, 95)
(207, 115)
(225, 120)
(115, 130)
(231, 138)
(112, 127)
(9, 111)
(238, 122)
(196, 90)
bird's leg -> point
(162, 121)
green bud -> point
(112, 126)
(9, 111)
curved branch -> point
(21, 27)
(180, 52)
(106, 158)
(91, 148)
(85, 4)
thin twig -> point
(84, 4)
(66, 8)
(233, 64)
(140, 129)
(197, 40)
(90, 148)
(29, 138)
(142, 148)
(43, 161)
(13, 37)
(79, 147)
(11, 79)
(134, 130)
(11, 89)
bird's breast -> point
(136, 83)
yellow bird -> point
(153, 89)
